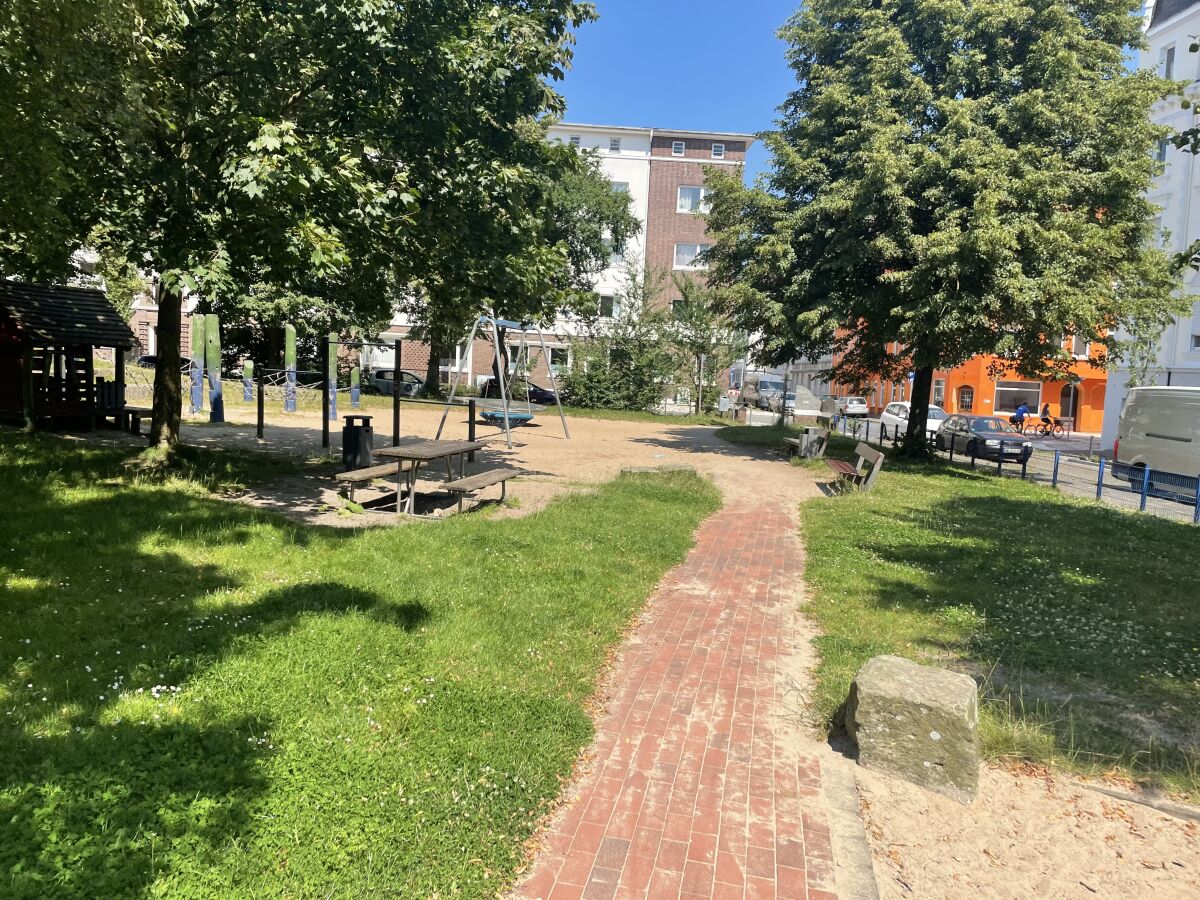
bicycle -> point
(1052, 429)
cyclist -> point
(1018, 418)
(1046, 420)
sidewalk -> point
(696, 786)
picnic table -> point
(417, 453)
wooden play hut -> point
(48, 338)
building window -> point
(614, 145)
(718, 151)
(939, 392)
(560, 360)
(460, 362)
(621, 187)
(693, 199)
(1011, 394)
(1160, 150)
(966, 399)
(608, 306)
(677, 148)
(1196, 343)
(1079, 347)
(1168, 63)
(615, 257)
(574, 140)
(686, 256)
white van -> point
(1160, 428)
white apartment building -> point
(1171, 26)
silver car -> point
(384, 381)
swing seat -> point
(496, 417)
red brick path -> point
(694, 790)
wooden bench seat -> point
(475, 483)
(814, 443)
(863, 472)
(369, 474)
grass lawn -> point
(201, 699)
(1082, 620)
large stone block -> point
(919, 723)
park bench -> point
(858, 474)
(474, 483)
(358, 477)
(130, 418)
(812, 444)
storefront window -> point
(1011, 394)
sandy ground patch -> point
(597, 452)
(1027, 835)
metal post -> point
(1196, 512)
(1100, 480)
(258, 375)
(1057, 463)
(1145, 488)
(331, 375)
(1025, 464)
(471, 427)
(973, 448)
(457, 378)
(1091, 444)
(397, 346)
(553, 384)
(500, 373)
(325, 395)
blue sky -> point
(691, 64)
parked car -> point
(895, 415)
(982, 436)
(853, 406)
(1160, 430)
(537, 394)
(384, 381)
(149, 361)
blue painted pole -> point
(1196, 513)
(1100, 481)
(1057, 463)
(247, 381)
(1145, 488)
(212, 362)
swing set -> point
(506, 415)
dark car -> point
(539, 395)
(982, 436)
(149, 361)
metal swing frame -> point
(494, 324)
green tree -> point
(527, 247)
(702, 339)
(305, 145)
(622, 360)
(68, 104)
(953, 178)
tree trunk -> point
(432, 386)
(168, 394)
(916, 443)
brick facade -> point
(414, 356)
(666, 226)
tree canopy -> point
(341, 150)
(950, 178)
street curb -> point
(852, 854)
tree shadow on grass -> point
(1083, 621)
(100, 610)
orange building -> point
(971, 388)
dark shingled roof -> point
(1165, 9)
(64, 315)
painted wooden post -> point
(212, 343)
(355, 386)
(331, 375)
(196, 364)
(248, 380)
(289, 365)
(397, 349)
